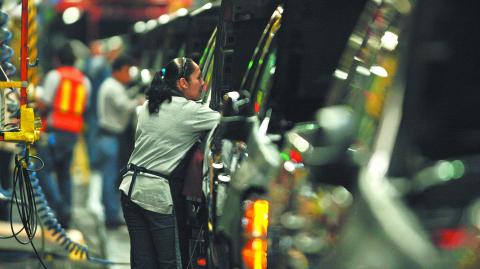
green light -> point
(458, 169)
(204, 55)
(445, 170)
(259, 97)
(250, 64)
(285, 156)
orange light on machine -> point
(255, 223)
(255, 254)
(256, 218)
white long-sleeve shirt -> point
(161, 142)
(114, 107)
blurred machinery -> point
(245, 156)
(18, 125)
(26, 131)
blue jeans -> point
(152, 237)
(57, 154)
(108, 163)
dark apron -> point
(176, 183)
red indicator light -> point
(202, 262)
(451, 238)
(295, 156)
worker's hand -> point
(141, 100)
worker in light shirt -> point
(115, 109)
(168, 125)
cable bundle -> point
(29, 200)
(23, 197)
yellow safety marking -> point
(66, 95)
(32, 42)
(28, 133)
(12, 84)
(79, 101)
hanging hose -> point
(51, 223)
(6, 67)
(23, 198)
(6, 50)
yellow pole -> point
(32, 43)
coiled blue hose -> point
(48, 218)
(50, 221)
(6, 52)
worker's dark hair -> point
(164, 83)
(65, 54)
(121, 61)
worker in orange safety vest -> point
(63, 103)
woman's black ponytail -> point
(164, 83)
(157, 93)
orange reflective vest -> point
(69, 102)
